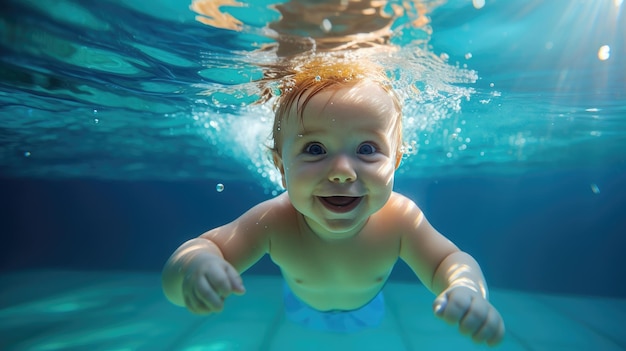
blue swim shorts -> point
(368, 316)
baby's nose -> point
(341, 170)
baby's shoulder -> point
(281, 203)
(276, 209)
(399, 209)
(398, 201)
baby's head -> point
(337, 141)
(331, 74)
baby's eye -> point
(366, 149)
(315, 149)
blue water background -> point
(545, 231)
(551, 220)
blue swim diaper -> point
(368, 316)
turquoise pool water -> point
(127, 128)
(534, 95)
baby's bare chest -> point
(355, 263)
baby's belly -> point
(335, 296)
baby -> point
(338, 230)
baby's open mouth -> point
(340, 203)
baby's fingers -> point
(225, 280)
(198, 296)
(475, 317)
(492, 331)
(235, 280)
(452, 307)
(207, 296)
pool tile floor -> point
(61, 310)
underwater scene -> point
(128, 128)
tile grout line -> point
(582, 323)
(185, 335)
(519, 340)
(269, 336)
(406, 340)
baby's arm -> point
(197, 276)
(454, 276)
(203, 271)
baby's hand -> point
(209, 279)
(475, 316)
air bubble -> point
(326, 26)
(219, 187)
(478, 4)
(604, 53)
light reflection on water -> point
(528, 83)
(394, 34)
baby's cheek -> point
(386, 172)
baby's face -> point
(338, 161)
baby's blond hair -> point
(319, 74)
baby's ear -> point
(399, 155)
(278, 162)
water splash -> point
(430, 88)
